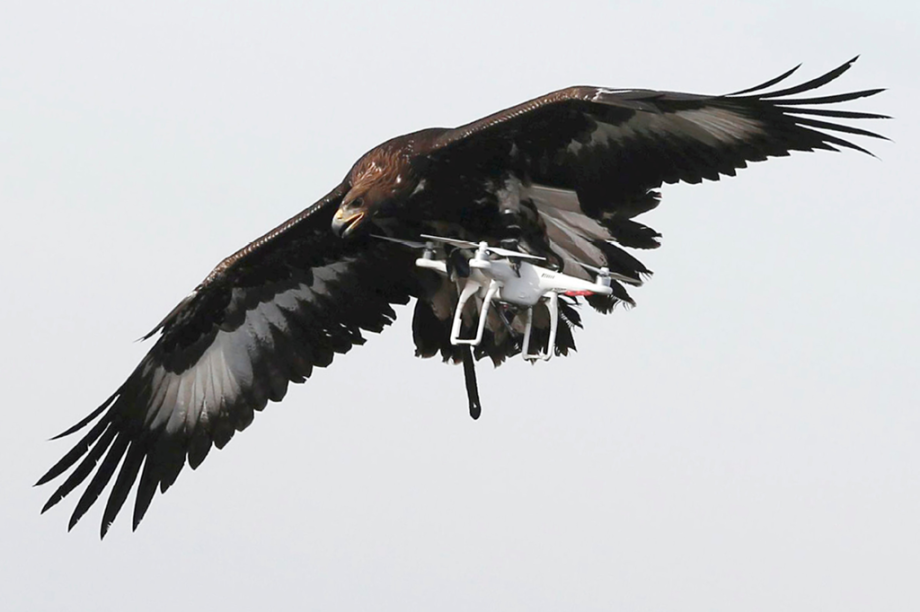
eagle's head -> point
(379, 182)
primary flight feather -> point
(562, 177)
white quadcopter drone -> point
(509, 277)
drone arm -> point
(553, 324)
(528, 326)
(432, 264)
(552, 305)
(469, 289)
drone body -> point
(547, 192)
(510, 280)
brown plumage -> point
(562, 176)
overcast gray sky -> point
(747, 438)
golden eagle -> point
(562, 176)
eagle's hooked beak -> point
(347, 218)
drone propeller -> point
(409, 243)
(605, 272)
(483, 246)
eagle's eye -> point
(356, 203)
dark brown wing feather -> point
(613, 146)
(266, 316)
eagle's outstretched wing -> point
(585, 161)
(612, 146)
(265, 316)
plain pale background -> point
(747, 438)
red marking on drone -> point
(579, 292)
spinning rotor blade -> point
(509, 253)
(466, 244)
(409, 243)
(614, 275)
(463, 244)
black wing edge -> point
(89, 449)
(114, 445)
(795, 107)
